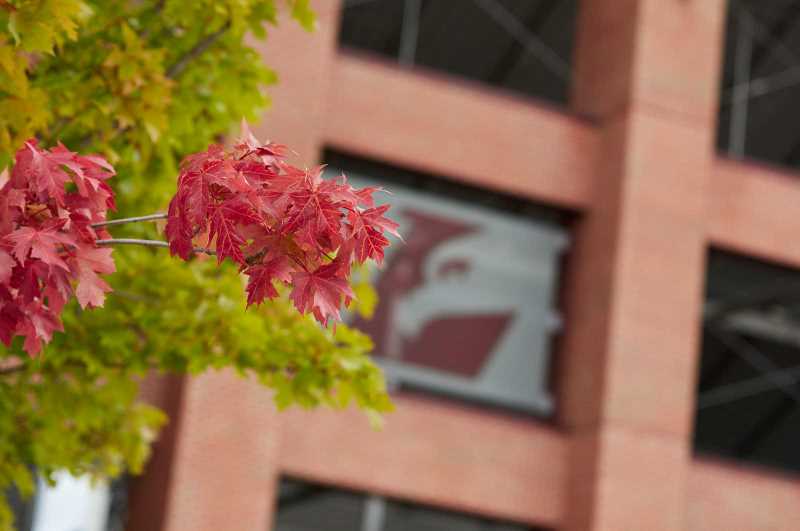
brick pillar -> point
(224, 466)
(148, 493)
(647, 73)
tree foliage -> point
(144, 83)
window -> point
(467, 301)
(74, 504)
(309, 507)
(760, 89)
(520, 45)
(748, 405)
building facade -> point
(629, 168)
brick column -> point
(647, 72)
(223, 463)
(148, 493)
(211, 486)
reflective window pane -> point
(466, 303)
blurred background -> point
(594, 321)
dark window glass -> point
(309, 507)
(748, 404)
(22, 509)
(521, 45)
(760, 89)
(466, 303)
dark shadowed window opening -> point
(760, 88)
(21, 508)
(303, 506)
(467, 303)
(748, 405)
(520, 45)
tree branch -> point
(132, 241)
(175, 70)
(148, 243)
(123, 221)
(12, 369)
(21, 367)
(198, 49)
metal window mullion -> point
(409, 33)
(737, 133)
(374, 513)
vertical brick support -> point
(225, 465)
(647, 72)
(148, 493)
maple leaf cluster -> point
(47, 243)
(279, 223)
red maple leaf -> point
(370, 244)
(179, 230)
(87, 263)
(37, 324)
(223, 229)
(57, 288)
(261, 277)
(367, 230)
(315, 217)
(374, 217)
(320, 292)
(89, 174)
(44, 244)
(268, 152)
(10, 315)
(7, 264)
(40, 172)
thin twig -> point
(132, 241)
(202, 45)
(148, 243)
(123, 221)
(22, 366)
(12, 369)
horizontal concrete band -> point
(752, 207)
(482, 138)
(510, 468)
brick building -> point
(630, 127)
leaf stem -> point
(123, 221)
(148, 243)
